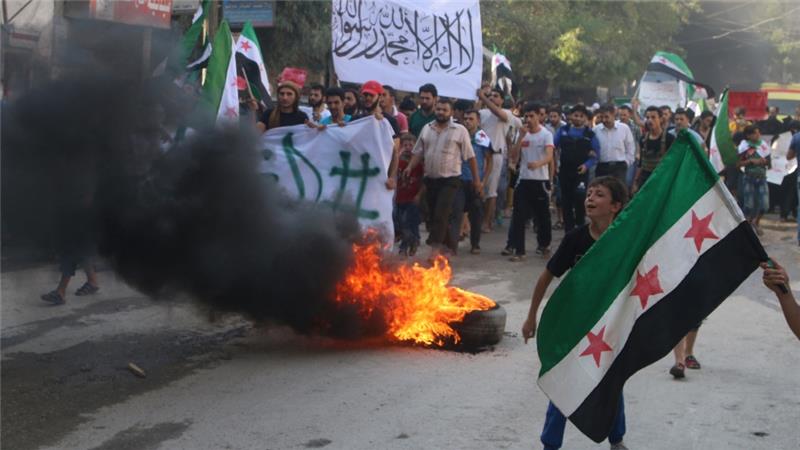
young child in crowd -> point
(605, 198)
(408, 197)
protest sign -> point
(343, 167)
(407, 43)
(780, 166)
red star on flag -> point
(647, 285)
(230, 111)
(700, 230)
(245, 46)
(596, 346)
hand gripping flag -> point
(668, 260)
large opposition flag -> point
(675, 66)
(220, 91)
(250, 63)
(722, 150)
(671, 257)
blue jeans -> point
(408, 219)
(554, 423)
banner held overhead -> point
(407, 43)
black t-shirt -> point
(572, 248)
(392, 122)
(286, 119)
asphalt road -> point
(226, 384)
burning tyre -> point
(481, 328)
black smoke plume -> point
(83, 161)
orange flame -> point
(416, 302)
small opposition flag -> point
(501, 73)
(250, 64)
(221, 89)
(669, 259)
(722, 152)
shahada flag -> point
(722, 150)
(670, 258)
(220, 91)
(250, 64)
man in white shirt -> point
(532, 193)
(617, 147)
(496, 122)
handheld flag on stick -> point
(722, 151)
(250, 64)
(669, 259)
(221, 89)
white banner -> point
(407, 43)
(345, 167)
(780, 166)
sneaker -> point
(677, 371)
(517, 258)
(619, 446)
(692, 362)
(475, 250)
(507, 251)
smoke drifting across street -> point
(83, 155)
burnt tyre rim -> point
(481, 329)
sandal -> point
(677, 371)
(53, 297)
(87, 289)
(692, 362)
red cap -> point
(372, 87)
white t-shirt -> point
(310, 112)
(496, 129)
(534, 146)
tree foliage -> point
(579, 43)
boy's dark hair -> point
(473, 111)
(750, 130)
(408, 104)
(353, 90)
(392, 92)
(626, 108)
(445, 101)
(463, 105)
(554, 109)
(654, 108)
(705, 114)
(318, 87)
(579, 109)
(532, 107)
(619, 192)
(681, 111)
(335, 92)
(667, 107)
(407, 137)
(429, 88)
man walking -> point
(532, 193)
(443, 144)
(496, 121)
(578, 149)
(467, 199)
(617, 148)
